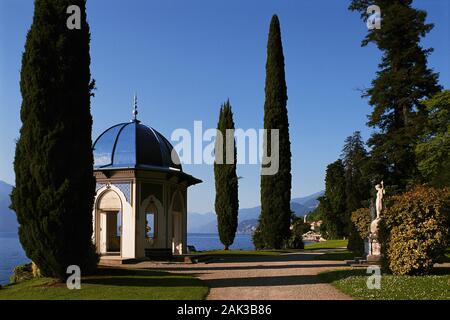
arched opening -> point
(109, 224)
(151, 221)
(177, 224)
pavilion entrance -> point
(108, 224)
(110, 232)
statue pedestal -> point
(372, 244)
(374, 252)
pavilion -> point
(141, 193)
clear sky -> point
(184, 58)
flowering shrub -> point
(415, 230)
(361, 220)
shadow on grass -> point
(141, 278)
(256, 267)
(337, 256)
(336, 275)
(231, 258)
(441, 271)
(264, 281)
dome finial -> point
(135, 112)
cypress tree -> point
(54, 191)
(357, 185)
(396, 95)
(333, 203)
(274, 222)
(226, 180)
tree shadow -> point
(265, 281)
(252, 267)
(236, 258)
(441, 271)
(141, 278)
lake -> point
(12, 254)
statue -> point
(373, 247)
(379, 203)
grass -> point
(337, 255)
(242, 253)
(112, 284)
(329, 244)
(354, 283)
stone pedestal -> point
(372, 244)
(374, 254)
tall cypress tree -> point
(333, 203)
(276, 212)
(357, 185)
(54, 191)
(226, 180)
(403, 81)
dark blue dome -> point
(134, 145)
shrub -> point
(295, 242)
(414, 230)
(359, 230)
(22, 273)
(299, 228)
(361, 220)
(257, 239)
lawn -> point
(329, 244)
(241, 253)
(112, 284)
(354, 283)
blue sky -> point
(184, 58)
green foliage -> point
(354, 283)
(21, 273)
(299, 228)
(415, 230)
(361, 220)
(55, 187)
(403, 81)
(360, 225)
(355, 242)
(276, 189)
(257, 239)
(357, 185)
(433, 148)
(226, 180)
(333, 203)
(315, 215)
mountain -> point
(8, 220)
(247, 226)
(310, 201)
(248, 217)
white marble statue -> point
(379, 202)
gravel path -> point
(285, 277)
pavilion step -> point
(114, 261)
(158, 254)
